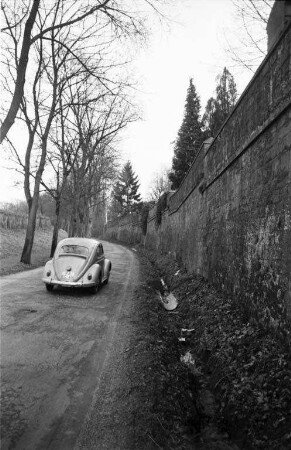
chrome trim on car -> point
(95, 269)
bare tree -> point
(61, 158)
(98, 126)
(21, 63)
(249, 46)
(73, 16)
(73, 44)
(44, 103)
(160, 183)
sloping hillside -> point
(11, 248)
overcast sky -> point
(192, 46)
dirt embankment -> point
(12, 242)
(218, 382)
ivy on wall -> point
(161, 207)
(144, 219)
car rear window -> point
(76, 249)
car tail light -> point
(89, 276)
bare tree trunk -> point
(21, 71)
(56, 228)
(76, 225)
(79, 227)
(90, 220)
(68, 228)
(26, 253)
(73, 221)
(89, 228)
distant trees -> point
(126, 195)
(218, 108)
(189, 140)
(19, 207)
(194, 131)
(95, 167)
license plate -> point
(68, 275)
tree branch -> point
(20, 79)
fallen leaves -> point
(248, 366)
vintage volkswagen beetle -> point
(77, 262)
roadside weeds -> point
(218, 383)
(182, 409)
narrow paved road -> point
(54, 349)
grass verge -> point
(12, 242)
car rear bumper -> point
(72, 284)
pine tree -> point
(126, 190)
(218, 109)
(189, 138)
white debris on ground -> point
(169, 301)
(190, 362)
(164, 284)
(187, 358)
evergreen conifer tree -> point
(189, 138)
(126, 190)
(217, 109)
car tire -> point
(107, 279)
(49, 287)
(94, 289)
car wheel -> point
(94, 289)
(49, 287)
(107, 279)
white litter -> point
(169, 302)
(134, 249)
(188, 359)
(185, 330)
(178, 271)
(180, 339)
(164, 284)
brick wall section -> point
(230, 220)
(126, 229)
(15, 221)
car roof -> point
(90, 243)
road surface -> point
(55, 349)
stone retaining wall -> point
(126, 229)
(230, 220)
